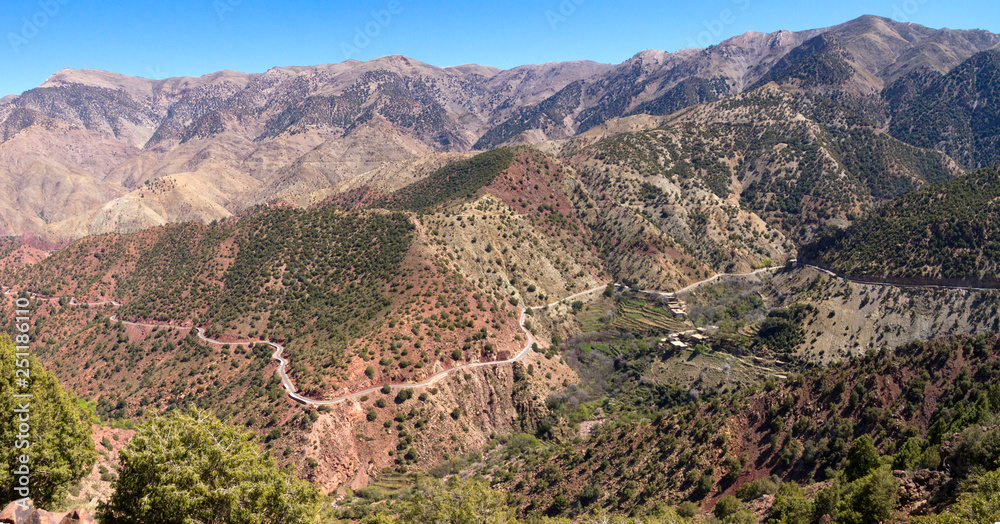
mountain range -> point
(693, 276)
(95, 152)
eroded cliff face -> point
(457, 416)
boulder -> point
(15, 514)
(77, 516)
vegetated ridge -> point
(943, 233)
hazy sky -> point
(195, 37)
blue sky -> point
(195, 37)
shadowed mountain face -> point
(95, 152)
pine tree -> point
(60, 450)
(862, 458)
(188, 466)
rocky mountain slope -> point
(76, 152)
(798, 161)
(858, 58)
(956, 112)
(285, 132)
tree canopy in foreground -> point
(59, 448)
(189, 466)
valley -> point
(752, 283)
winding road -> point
(894, 284)
(286, 382)
(292, 392)
(707, 280)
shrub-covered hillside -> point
(798, 161)
(957, 112)
(921, 406)
(315, 278)
(455, 180)
(947, 231)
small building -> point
(675, 305)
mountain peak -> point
(94, 77)
(486, 71)
(651, 56)
(265, 121)
(134, 85)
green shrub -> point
(688, 509)
(862, 458)
(757, 488)
(791, 505)
(191, 467)
(404, 395)
(60, 450)
(727, 506)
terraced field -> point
(749, 330)
(639, 317)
